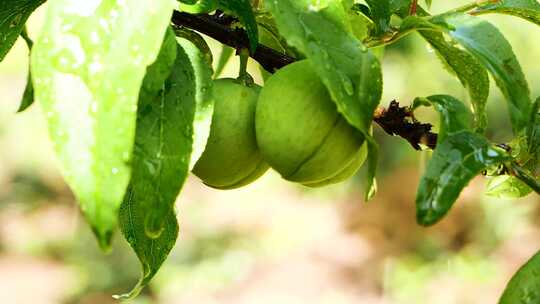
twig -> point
(400, 121)
(413, 8)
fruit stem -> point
(413, 8)
(243, 75)
(24, 35)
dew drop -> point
(153, 226)
(130, 239)
(347, 85)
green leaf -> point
(204, 97)
(455, 117)
(524, 175)
(533, 131)
(28, 95)
(380, 14)
(359, 24)
(469, 71)
(351, 73)
(361, 9)
(224, 57)
(524, 286)
(196, 39)
(491, 49)
(526, 9)
(525, 150)
(163, 147)
(507, 187)
(456, 160)
(242, 9)
(198, 6)
(401, 7)
(87, 68)
(13, 16)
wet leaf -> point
(196, 39)
(380, 14)
(492, 50)
(13, 16)
(524, 287)
(459, 62)
(224, 57)
(204, 98)
(198, 6)
(455, 162)
(526, 9)
(401, 7)
(360, 25)
(243, 10)
(455, 116)
(87, 69)
(163, 148)
(507, 187)
(468, 70)
(525, 176)
(28, 95)
(533, 135)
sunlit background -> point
(274, 241)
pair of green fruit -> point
(291, 125)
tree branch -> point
(395, 120)
(400, 121)
(270, 59)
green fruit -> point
(346, 172)
(231, 158)
(301, 134)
